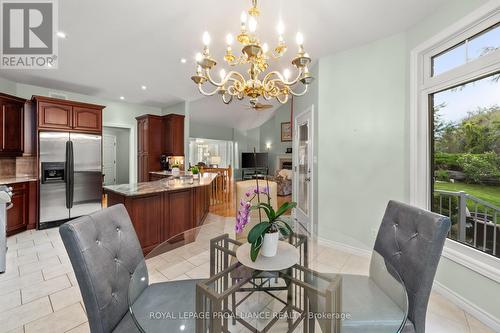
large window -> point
(466, 51)
(466, 161)
(211, 152)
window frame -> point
(422, 86)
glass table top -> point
(194, 283)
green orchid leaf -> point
(286, 225)
(255, 248)
(257, 231)
(284, 231)
(272, 213)
(286, 206)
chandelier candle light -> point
(254, 54)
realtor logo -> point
(28, 30)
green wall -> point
(363, 154)
(361, 148)
(270, 133)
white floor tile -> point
(66, 297)
(44, 288)
(58, 322)
(23, 314)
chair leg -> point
(233, 305)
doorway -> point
(116, 155)
(303, 170)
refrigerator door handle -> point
(69, 174)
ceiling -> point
(114, 46)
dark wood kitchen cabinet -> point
(23, 214)
(149, 145)
(60, 114)
(55, 116)
(85, 119)
(11, 125)
(157, 135)
(173, 134)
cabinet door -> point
(17, 215)
(55, 116)
(87, 119)
(146, 215)
(177, 127)
(180, 212)
(13, 130)
(143, 165)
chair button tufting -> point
(117, 228)
(97, 241)
(116, 259)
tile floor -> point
(39, 292)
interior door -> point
(109, 159)
(303, 169)
(87, 176)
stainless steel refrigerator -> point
(70, 176)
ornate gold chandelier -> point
(256, 55)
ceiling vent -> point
(54, 94)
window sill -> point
(473, 259)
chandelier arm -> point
(301, 93)
(284, 100)
(207, 93)
(227, 101)
(226, 78)
(281, 79)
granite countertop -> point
(162, 185)
(14, 180)
(164, 173)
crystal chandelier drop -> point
(255, 55)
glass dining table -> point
(194, 282)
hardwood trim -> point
(39, 98)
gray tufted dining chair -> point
(409, 241)
(104, 252)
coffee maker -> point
(164, 162)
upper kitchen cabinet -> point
(173, 134)
(58, 114)
(85, 119)
(11, 125)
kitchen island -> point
(164, 208)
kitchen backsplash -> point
(18, 167)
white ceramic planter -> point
(176, 172)
(270, 244)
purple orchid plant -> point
(274, 222)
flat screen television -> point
(251, 160)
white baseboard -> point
(471, 308)
(345, 247)
(483, 316)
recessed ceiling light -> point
(122, 98)
(61, 34)
(183, 60)
(144, 87)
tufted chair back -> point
(104, 251)
(411, 241)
